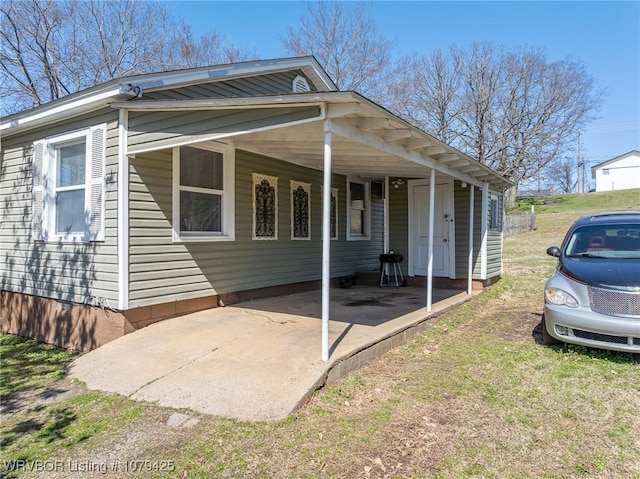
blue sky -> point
(604, 36)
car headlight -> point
(560, 297)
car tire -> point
(547, 339)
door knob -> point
(444, 240)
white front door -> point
(419, 229)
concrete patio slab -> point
(258, 360)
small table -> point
(388, 260)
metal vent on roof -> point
(300, 85)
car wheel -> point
(547, 339)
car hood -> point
(611, 273)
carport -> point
(334, 132)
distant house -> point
(536, 193)
(156, 195)
(619, 173)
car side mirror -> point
(553, 251)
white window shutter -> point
(37, 192)
(97, 183)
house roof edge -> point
(612, 160)
(126, 88)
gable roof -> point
(127, 88)
(613, 160)
(309, 65)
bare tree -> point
(346, 42)
(190, 51)
(561, 174)
(51, 48)
(27, 53)
(481, 78)
(542, 109)
(512, 110)
(425, 92)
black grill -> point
(605, 338)
(636, 341)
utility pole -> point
(580, 167)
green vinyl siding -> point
(399, 223)
(461, 206)
(270, 84)
(162, 270)
(62, 271)
(156, 130)
(494, 236)
(494, 253)
(494, 256)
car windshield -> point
(606, 241)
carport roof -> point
(368, 140)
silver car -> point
(593, 299)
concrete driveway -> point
(258, 360)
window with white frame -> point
(68, 186)
(495, 212)
(203, 193)
(359, 209)
(605, 171)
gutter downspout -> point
(123, 211)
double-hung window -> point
(68, 186)
(495, 212)
(359, 210)
(203, 193)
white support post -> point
(484, 227)
(326, 241)
(432, 200)
(385, 247)
(472, 190)
(123, 211)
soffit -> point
(369, 144)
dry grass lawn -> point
(475, 396)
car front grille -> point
(615, 303)
(605, 338)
